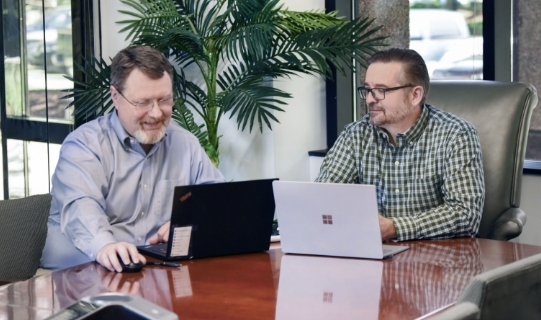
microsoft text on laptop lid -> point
(313, 287)
(330, 219)
(218, 219)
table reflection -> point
(429, 276)
(328, 288)
(153, 284)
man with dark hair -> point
(426, 164)
(113, 185)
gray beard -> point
(145, 138)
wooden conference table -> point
(270, 285)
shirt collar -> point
(414, 133)
(120, 132)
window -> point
(449, 37)
(38, 54)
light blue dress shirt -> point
(106, 189)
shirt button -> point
(143, 213)
(132, 141)
(145, 186)
(140, 239)
(397, 191)
(396, 163)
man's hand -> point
(387, 228)
(163, 234)
(107, 256)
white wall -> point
(303, 125)
(281, 153)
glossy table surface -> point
(271, 285)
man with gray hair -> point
(113, 185)
(426, 164)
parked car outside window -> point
(57, 38)
(443, 39)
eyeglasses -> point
(378, 93)
(146, 105)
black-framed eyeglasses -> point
(146, 105)
(378, 93)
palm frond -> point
(252, 25)
(184, 45)
(296, 22)
(94, 96)
(201, 13)
(184, 117)
(197, 94)
(151, 15)
(310, 52)
(253, 100)
(315, 51)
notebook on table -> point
(330, 219)
(218, 219)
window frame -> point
(26, 129)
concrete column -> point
(527, 61)
(393, 15)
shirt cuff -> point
(406, 228)
(100, 241)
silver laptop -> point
(330, 219)
(328, 288)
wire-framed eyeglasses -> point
(146, 105)
(378, 93)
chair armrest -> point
(460, 311)
(509, 225)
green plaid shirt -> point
(430, 184)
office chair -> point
(23, 230)
(512, 291)
(500, 111)
(461, 311)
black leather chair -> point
(500, 111)
(23, 230)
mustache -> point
(153, 120)
(372, 106)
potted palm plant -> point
(236, 47)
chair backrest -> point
(23, 230)
(501, 112)
(512, 291)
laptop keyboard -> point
(160, 250)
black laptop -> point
(210, 220)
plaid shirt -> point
(430, 184)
